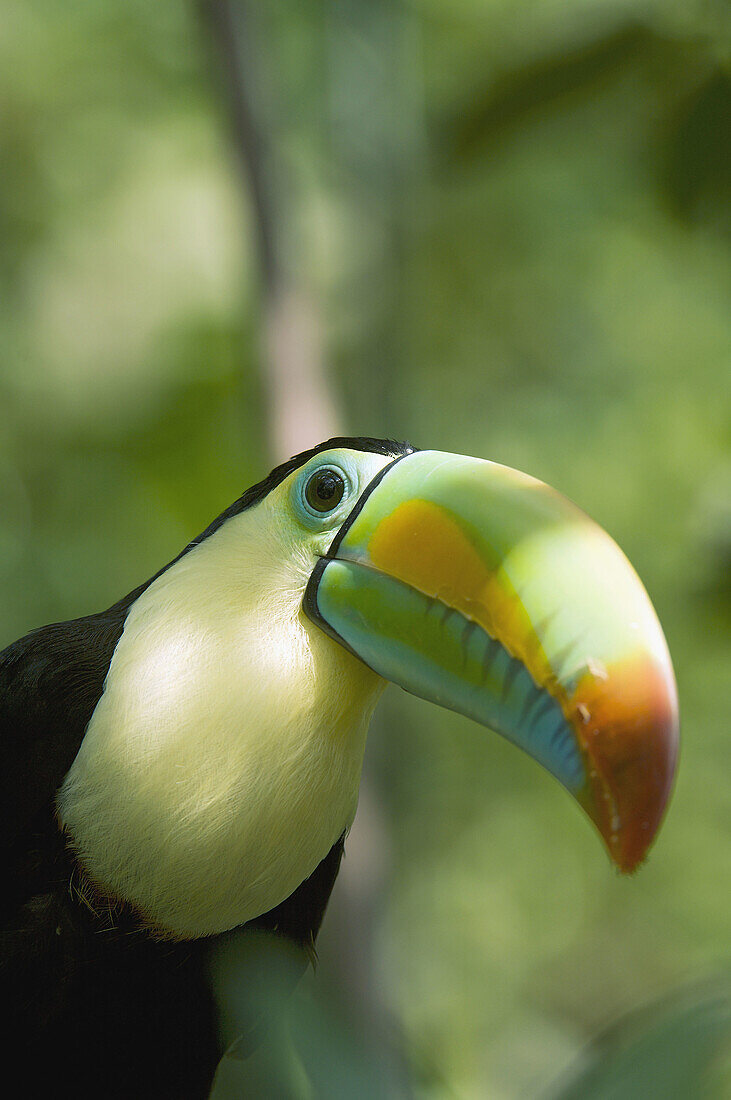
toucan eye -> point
(324, 490)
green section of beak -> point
(436, 653)
(485, 591)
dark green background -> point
(513, 217)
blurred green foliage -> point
(515, 219)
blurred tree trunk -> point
(302, 410)
(378, 146)
(301, 406)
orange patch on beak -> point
(421, 544)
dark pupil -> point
(325, 491)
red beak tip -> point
(633, 756)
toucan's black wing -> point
(121, 1014)
(50, 683)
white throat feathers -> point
(223, 759)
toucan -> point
(187, 762)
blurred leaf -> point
(505, 105)
(672, 1051)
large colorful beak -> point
(484, 590)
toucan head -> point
(482, 589)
